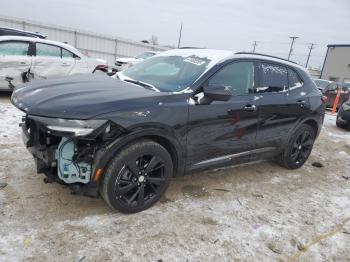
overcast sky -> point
(221, 24)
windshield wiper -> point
(143, 84)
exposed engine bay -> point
(69, 170)
(65, 153)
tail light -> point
(324, 99)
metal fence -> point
(95, 45)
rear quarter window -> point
(294, 80)
(67, 54)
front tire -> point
(137, 177)
(299, 148)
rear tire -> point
(299, 148)
(137, 176)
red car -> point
(330, 89)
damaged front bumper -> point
(66, 150)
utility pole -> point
(255, 43)
(311, 46)
(178, 44)
(291, 45)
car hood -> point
(81, 96)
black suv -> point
(180, 111)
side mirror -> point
(218, 93)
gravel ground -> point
(256, 212)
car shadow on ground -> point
(57, 202)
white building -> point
(336, 66)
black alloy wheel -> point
(137, 177)
(140, 180)
(299, 147)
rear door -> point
(15, 61)
(48, 61)
(278, 110)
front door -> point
(48, 61)
(224, 131)
(15, 62)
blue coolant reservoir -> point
(69, 171)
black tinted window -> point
(237, 77)
(294, 80)
(273, 78)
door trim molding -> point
(231, 156)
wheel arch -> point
(169, 146)
(308, 121)
(313, 123)
(168, 141)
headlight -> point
(75, 127)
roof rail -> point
(190, 47)
(250, 53)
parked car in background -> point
(343, 115)
(25, 58)
(123, 63)
(181, 111)
(330, 90)
(321, 83)
(5, 31)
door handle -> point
(23, 63)
(250, 108)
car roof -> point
(40, 40)
(216, 56)
(25, 33)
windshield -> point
(168, 73)
(321, 83)
(145, 55)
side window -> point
(332, 86)
(67, 54)
(294, 80)
(47, 50)
(237, 77)
(273, 78)
(14, 48)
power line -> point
(255, 43)
(308, 57)
(178, 44)
(291, 45)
